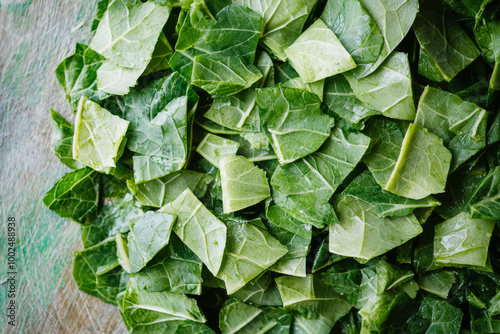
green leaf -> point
(95, 272)
(175, 268)
(461, 124)
(313, 65)
(439, 316)
(422, 165)
(199, 229)
(488, 39)
(99, 137)
(127, 36)
(355, 29)
(235, 315)
(316, 87)
(388, 89)
(62, 140)
(243, 183)
(261, 293)
(323, 258)
(159, 192)
(113, 218)
(148, 235)
(363, 234)
(254, 146)
(303, 188)
(485, 201)
(383, 202)
(437, 282)
(75, 195)
(462, 241)
(122, 252)
(215, 148)
(279, 217)
(445, 48)
(191, 327)
(77, 75)
(250, 250)
(394, 20)
(294, 121)
(161, 54)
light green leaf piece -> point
(215, 148)
(462, 241)
(383, 202)
(191, 327)
(485, 202)
(294, 121)
(235, 315)
(159, 61)
(243, 183)
(437, 282)
(355, 29)
(126, 36)
(318, 54)
(494, 305)
(148, 235)
(445, 48)
(263, 292)
(250, 250)
(77, 75)
(388, 89)
(99, 137)
(122, 252)
(113, 218)
(279, 217)
(75, 195)
(461, 124)
(62, 140)
(316, 306)
(175, 268)
(254, 146)
(386, 141)
(283, 21)
(361, 233)
(487, 37)
(199, 229)
(341, 101)
(394, 19)
(303, 188)
(141, 307)
(422, 166)
(223, 77)
(159, 192)
(95, 272)
(316, 87)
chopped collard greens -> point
(286, 166)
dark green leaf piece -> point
(62, 140)
(485, 202)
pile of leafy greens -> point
(286, 166)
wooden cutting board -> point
(35, 35)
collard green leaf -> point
(175, 268)
(254, 146)
(437, 282)
(161, 54)
(316, 87)
(383, 202)
(236, 315)
(293, 120)
(249, 251)
(355, 29)
(102, 6)
(303, 188)
(261, 293)
(461, 124)
(283, 21)
(341, 100)
(488, 39)
(159, 192)
(394, 20)
(127, 36)
(148, 234)
(323, 258)
(215, 148)
(345, 277)
(388, 89)
(113, 218)
(62, 140)
(439, 316)
(279, 217)
(75, 195)
(462, 241)
(485, 202)
(199, 229)
(99, 137)
(191, 327)
(91, 274)
(77, 74)
(243, 183)
(311, 63)
(140, 307)
(445, 48)
(422, 165)
(363, 234)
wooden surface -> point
(35, 35)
